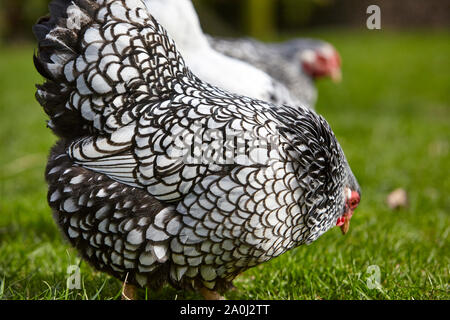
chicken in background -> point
(182, 23)
(296, 63)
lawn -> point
(391, 115)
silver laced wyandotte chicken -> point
(296, 63)
(159, 177)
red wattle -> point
(340, 221)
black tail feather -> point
(98, 59)
(55, 38)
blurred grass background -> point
(391, 115)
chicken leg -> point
(210, 295)
(129, 291)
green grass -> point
(392, 116)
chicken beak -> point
(345, 226)
(336, 75)
(353, 198)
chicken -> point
(159, 177)
(181, 21)
(296, 63)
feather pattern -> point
(170, 179)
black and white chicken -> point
(160, 177)
(297, 63)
